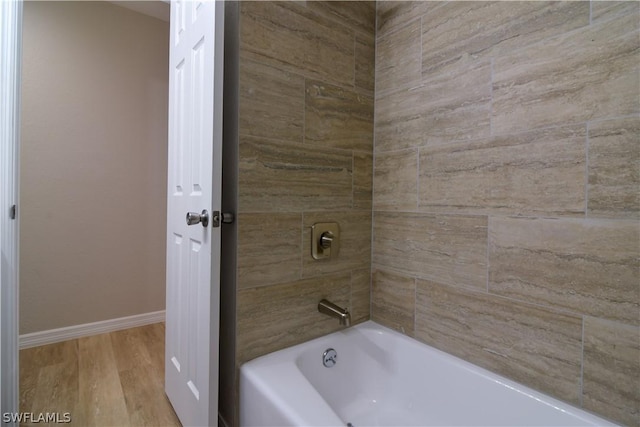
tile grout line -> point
(586, 171)
(487, 262)
(418, 152)
(415, 306)
(421, 49)
(353, 179)
(417, 178)
(581, 382)
(491, 132)
(355, 42)
(302, 245)
(373, 164)
(304, 111)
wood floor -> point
(113, 379)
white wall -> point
(93, 159)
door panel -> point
(193, 252)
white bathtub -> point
(383, 378)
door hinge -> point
(12, 212)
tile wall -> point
(305, 156)
(506, 199)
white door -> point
(10, 58)
(194, 185)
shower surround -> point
(505, 183)
(506, 202)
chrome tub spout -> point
(330, 309)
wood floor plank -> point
(102, 402)
(113, 379)
(57, 388)
(153, 336)
(129, 349)
(144, 395)
(32, 360)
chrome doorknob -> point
(198, 218)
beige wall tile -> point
(538, 172)
(578, 76)
(362, 180)
(605, 10)
(446, 107)
(355, 243)
(614, 169)
(586, 266)
(448, 37)
(612, 370)
(360, 295)
(365, 63)
(393, 15)
(393, 300)
(275, 317)
(271, 102)
(288, 177)
(450, 249)
(269, 249)
(338, 118)
(398, 59)
(398, 120)
(537, 347)
(396, 180)
(289, 35)
(357, 15)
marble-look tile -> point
(398, 59)
(288, 177)
(582, 75)
(362, 180)
(271, 102)
(291, 36)
(587, 266)
(446, 107)
(360, 295)
(451, 34)
(614, 169)
(271, 318)
(359, 15)
(533, 173)
(393, 300)
(365, 63)
(612, 370)
(269, 248)
(395, 180)
(355, 242)
(606, 10)
(337, 118)
(393, 15)
(532, 345)
(450, 249)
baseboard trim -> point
(78, 331)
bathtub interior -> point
(383, 378)
(373, 383)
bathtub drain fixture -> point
(329, 358)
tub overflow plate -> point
(329, 358)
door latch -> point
(224, 217)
